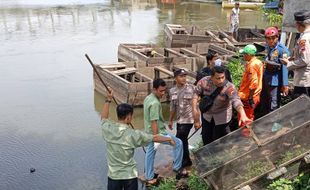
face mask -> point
(218, 62)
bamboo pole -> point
(91, 63)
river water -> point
(49, 112)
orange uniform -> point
(252, 79)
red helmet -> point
(271, 31)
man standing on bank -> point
(234, 20)
(154, 124)
(275, 77)
(300, 63)
(121, 141)
(181, 106)
(216, 120)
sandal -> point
(156, 175)
(182, 173)
(152, 182)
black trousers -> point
(301, 90)
(211, 132)
(123, 184)
(182, 133)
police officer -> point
(275, 77)
(181, 97)
(300, 62)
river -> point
(49, 116)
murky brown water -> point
(49, 116)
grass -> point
(289, 155)
(194, 182)
(253, 169)
(166, 184)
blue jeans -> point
(150, 156)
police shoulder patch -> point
(274, 54)
(302, 44)
(231, 91)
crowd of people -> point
(207, 104)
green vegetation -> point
(236, 69)
(166, 184)
(197, 145)
(281, 184)
(253, 169)
(289, 155)
(273, 17)
(301, 182)
(194, 182)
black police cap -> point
(302, 15)
(179, 72)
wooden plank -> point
(112, 66)
(143, 77)
(168, 50)
(220, 50)
(228, 42)
(163, 70)
(213, 36)
(227, 36)
(289, 39)
(125, 71)
(189, 52)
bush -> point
(194, 182)
(166, 184)
(273, 17)
(301, 182)
(236, 70)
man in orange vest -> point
(252, 81)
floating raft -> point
(182, 36)
(130, 84)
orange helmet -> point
(271, 31)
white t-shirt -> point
(235, 16)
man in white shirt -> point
(234, 20)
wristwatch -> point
(108, 101)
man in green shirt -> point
(154, 124)
(121, 141)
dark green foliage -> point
(194, 182)
(236, 69)
(301, 182)
(166, 184)
(273, 17)
(281, 184)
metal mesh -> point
(282, 120)
(222, 150)
(279, 139)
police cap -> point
(179, 72)
(302, 15)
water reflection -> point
(106, 15)
(49, 116)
